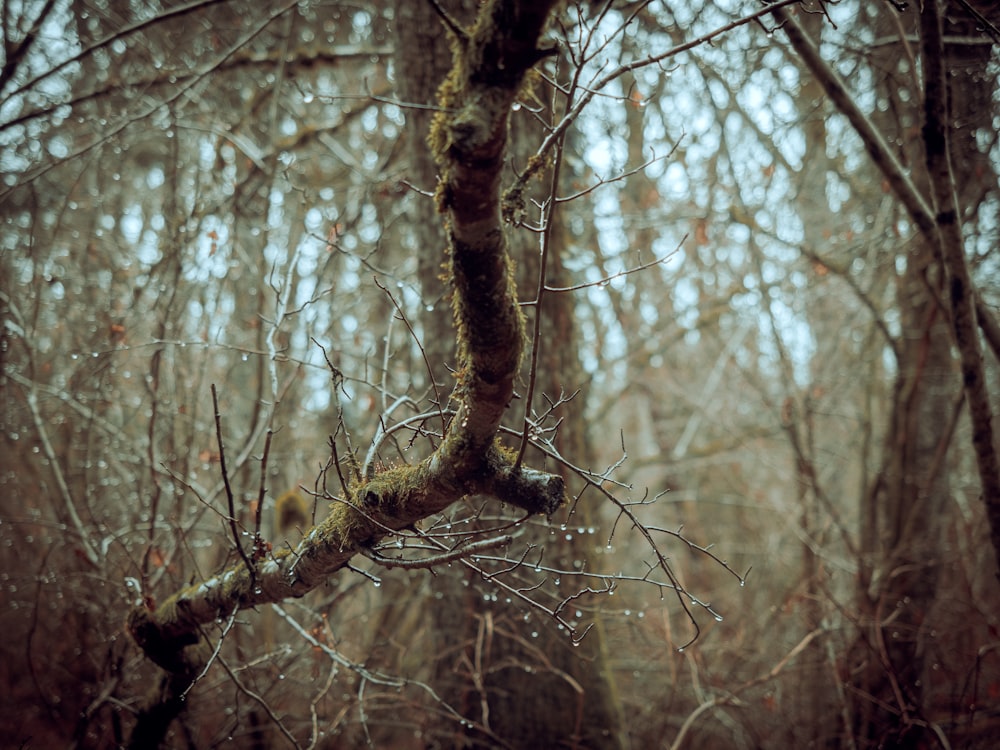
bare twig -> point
(423, 353)
(732, 697)
(461, 551)
(557, 133)
(229, 490)
(258, 542)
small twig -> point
(336, 463)
(260, 700)
(215, 651)
(621, 176)
(423, 353)
(460, 552)
(536, 337)
(627, 272)
(229, 490)
(450, 23)
(384, 432)
(599, 82)
(258, 543)
(609, 587)
(370, 576)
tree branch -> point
(469, 140)
(948, 233)
(916, 205)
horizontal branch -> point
(393, 500)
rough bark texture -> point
(470, 138)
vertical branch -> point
(548, 222)
(961, 294)
(229, 490)
(258, 543)
(469, 138)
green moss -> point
(372, 505)
(438, 136)
(513, 204)
(387, 493)
(502, 455)
(345, 527)
(495, 326)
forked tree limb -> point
(469, 140)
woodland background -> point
(741, 360)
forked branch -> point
(469, 140)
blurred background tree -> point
(239, 194)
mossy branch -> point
(468, 140)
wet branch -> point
(469, 141)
